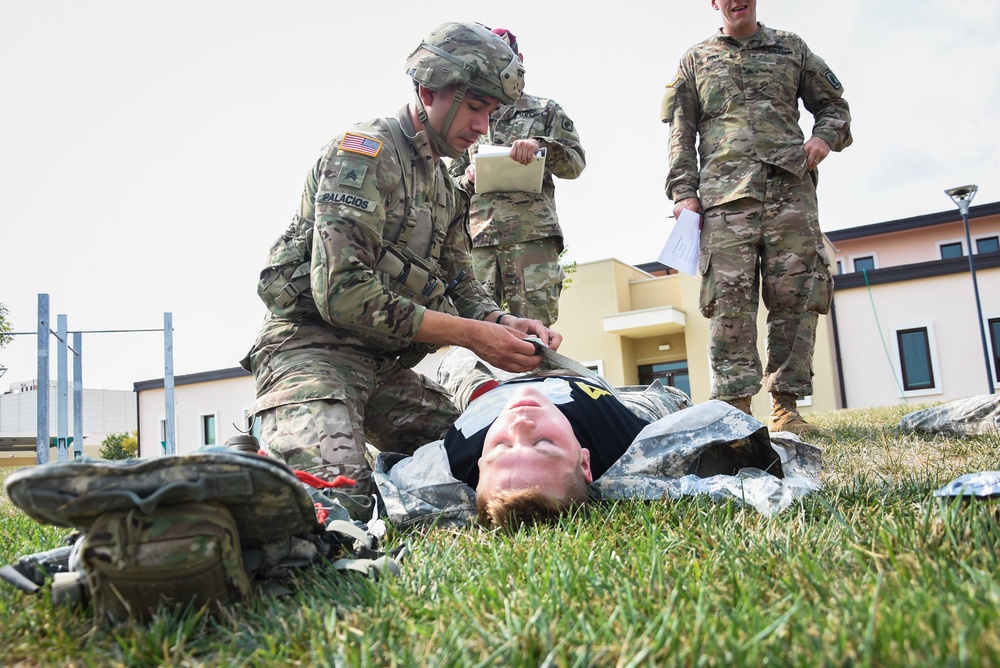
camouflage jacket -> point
(740, 105)
(355, 201)
(421, 490)
(508, 218)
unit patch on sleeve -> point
(356, 143)
(352, 174)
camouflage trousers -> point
(373, 400)
(772, 249)
(526, 277)
(461, 372)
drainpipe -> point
(836, 349)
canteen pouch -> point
(182, 554)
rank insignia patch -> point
(356, 143)
(352, 174)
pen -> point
(454, 282)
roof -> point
(904, 224)
(192, 378)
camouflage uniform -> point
(331, 364)
(516, 237)
(739, 102)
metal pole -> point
(170, 433)
(77, 395)
(62, 395)
(42, 383)
(979, 308)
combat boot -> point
(785, 416)
(741, 403)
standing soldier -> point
(737, 154)
(516, 236)
(375, 271)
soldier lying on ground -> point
(533, 445)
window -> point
(673, 373)
(994, 327)
(988, 245)
(251, 425)
(208, 430)
(840, 267)
(915, 359)
(597, 366)
(951, 250)
(865, 263)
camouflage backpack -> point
(183, 530)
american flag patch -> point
(356, 143)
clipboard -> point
(497, 172)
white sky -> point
(150, 153)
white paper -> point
(681, 249)
(497, 172)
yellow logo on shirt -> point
(591, 391)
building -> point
(905, 310)
(644, 323)
(902, 329)
(105, 412)
(209, 409)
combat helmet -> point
(473, 58)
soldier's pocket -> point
(543, 276)
(716, 89)
(709, 293)
(821, 290)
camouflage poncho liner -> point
(420, 489)
(963, 417)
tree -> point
(120, 446)
(4, 326)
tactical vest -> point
(284, 284)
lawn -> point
(872, 570)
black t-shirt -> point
(600, 422)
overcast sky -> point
(150, 153)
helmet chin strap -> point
(437, 138)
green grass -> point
(872, 570)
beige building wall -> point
(945, 305)
(616, 317)
(225, 400)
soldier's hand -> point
(470, 173)
(523, 150)
(504, 347)
(550, 337)
(816, 149)
(689, 203)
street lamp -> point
(962, 197)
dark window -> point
(840, 267)
(208, 429)
(988, 245)
(251, 426)
(673, 373)
(915, 359)
(864, 263)
(951, 250)
(994, 326)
